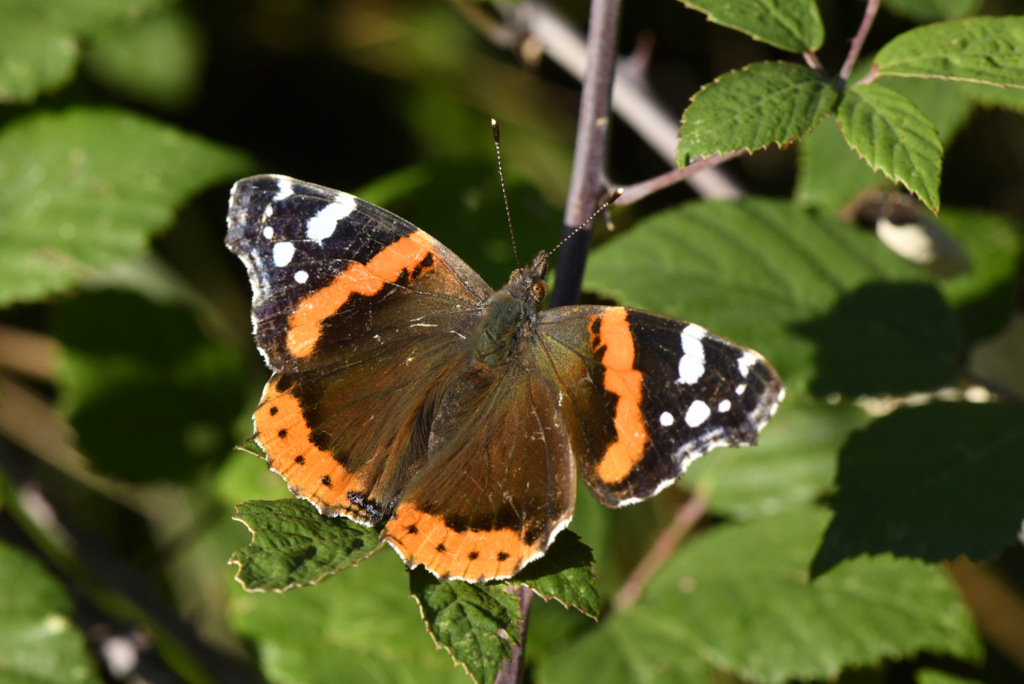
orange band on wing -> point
(424, 539)
(311, 473)
(406, 254)
(624, 381)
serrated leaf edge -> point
(883, 171)
(780, 144)
(438, 646)
(234, 560)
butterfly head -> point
(528, 284)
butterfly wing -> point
(500, 482)
(646, 395)
(341, 289)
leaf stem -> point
(857, 44)
(812, 60)
(638, 191)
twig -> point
(857, 44)
(638, 191)
(685, 519)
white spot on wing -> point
(284, 190)
(301, 277)
(323, 225)
(741, 388)
(697, 413)
(691, 363)
(268, 232)
(666, 419)
(283, 253)
(724, 406)
(745, 362)
(269, 211)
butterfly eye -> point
(539, 289)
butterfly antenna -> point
(504, 195)
(604, 205)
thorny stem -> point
(857, 44)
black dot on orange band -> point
(502, 556)
(473, 555)
(273, 410)
(412, 529)
(325, 480)
(440, 548)
(282, 433)
(301, 460)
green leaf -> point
(930, 676)
(769, 102)
(475, 623)
(40, 40)
(40, 642)
(792, 25)
(627, 648)
(740, 595)
(793, 464)
(922, 11)
(932, 482)
(293, 545)
(1002, 97)
(137, 378)
(564, 573)
(830, 174)
(72, 203)
(894, 137)
(906, 321)
(359, 627)
(983, 297)
(749, 270)
(979, 49)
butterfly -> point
(408, 395)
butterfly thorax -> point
(510, 314)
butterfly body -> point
(408, 395)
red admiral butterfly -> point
(407, 394)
